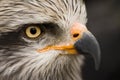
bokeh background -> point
(104, 23)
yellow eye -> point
(33, 32)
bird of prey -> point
(44, 40)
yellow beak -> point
(68, 47)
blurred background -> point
(104, 23)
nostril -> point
(75, 35)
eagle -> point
(44, 40)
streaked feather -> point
(18, 61)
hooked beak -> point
(84, 42)
(88, 44)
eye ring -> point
(33, 32)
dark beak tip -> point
(89, 44)
(98, 59)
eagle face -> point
(44, 39)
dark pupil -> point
(33, 31)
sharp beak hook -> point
(88, 44)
